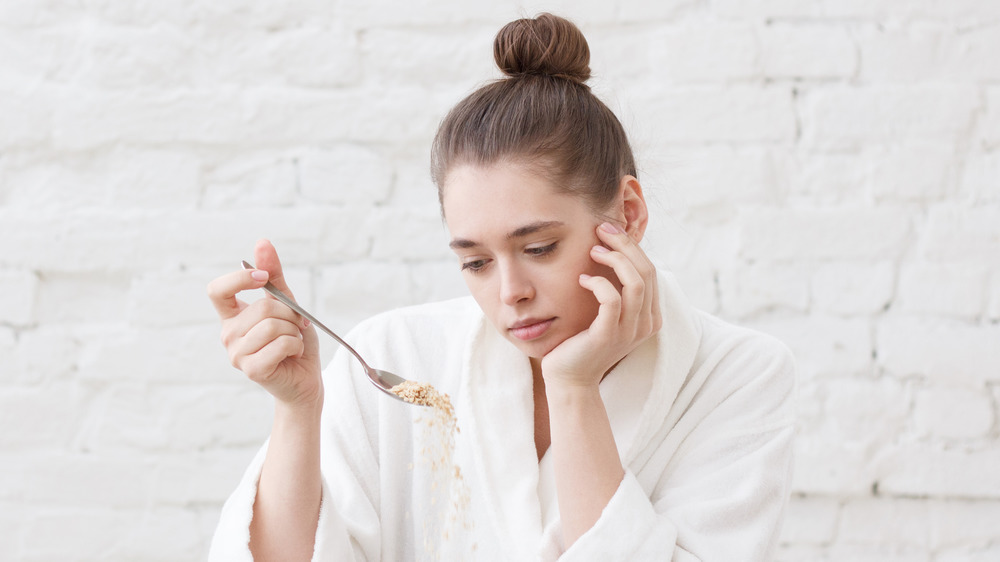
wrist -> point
(303, 410)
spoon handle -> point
(287, 301)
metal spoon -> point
(383, 380)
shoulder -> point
(746, 364)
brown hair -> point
(541, 115)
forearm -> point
(586, 462)
(286, 509)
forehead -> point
(509, 195)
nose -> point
(515, 285)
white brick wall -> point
(827, 171)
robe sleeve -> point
(723, 494)
(347, 463)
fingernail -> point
(306, 322)
(259, 275)
(584, 277)
(601, 249)
(610, 228)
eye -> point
(474, 266)
(539, 251)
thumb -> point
(266, 258)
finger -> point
(222, 291)
(610, 309)
(262, 334)
(633, 286)
(616, 239)
(266, 258)
(255, 313)
(262, 364)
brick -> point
(716, 52)
(711, 114)
(163, 534)
(993, 296)
(132, 58)
(824, 346)
(957, 290)
(246, 180)
(960, 11)
(931, 52)
(429, 57)
(800, 553)
(69, 243)
(77, 534)
(717, 180)
(884, 552)
(852, 289)
(646, 12)
(352, 292)
(816, 234)
(44, 415)
(17, 296)
(168, 179)
(962, 523)
(327, 55)
(850, 117)
(826, 179)
(865, 412)
(195, 355)
(412, 185)
(74, 480)
(978, 181)
(437, 280)
(807, 51)
(262, 116)
(346, 174)
(989, 125)
(970, 554)
(408, 233)
(912, 172)
(946, 351)
(180, 418)
(746, 290)
(934, 470)
(46, 353)
(27, 121)
(82, 298)
(951, 412)
(810, 520)
(885, 521)
(824, 466)
(956, 233)
(202, 477)
(387, 13)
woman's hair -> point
(542, 115)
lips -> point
(530, 328)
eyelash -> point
(539, 252)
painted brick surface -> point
(826, 171)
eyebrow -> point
(520, 232)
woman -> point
(602, 418)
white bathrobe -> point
(702, 414)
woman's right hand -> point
(269, 342)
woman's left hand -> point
(624, 320)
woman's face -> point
(522, 247)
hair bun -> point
(546, 45)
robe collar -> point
(638, 395)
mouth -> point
(530, 328)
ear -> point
(633, 208)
